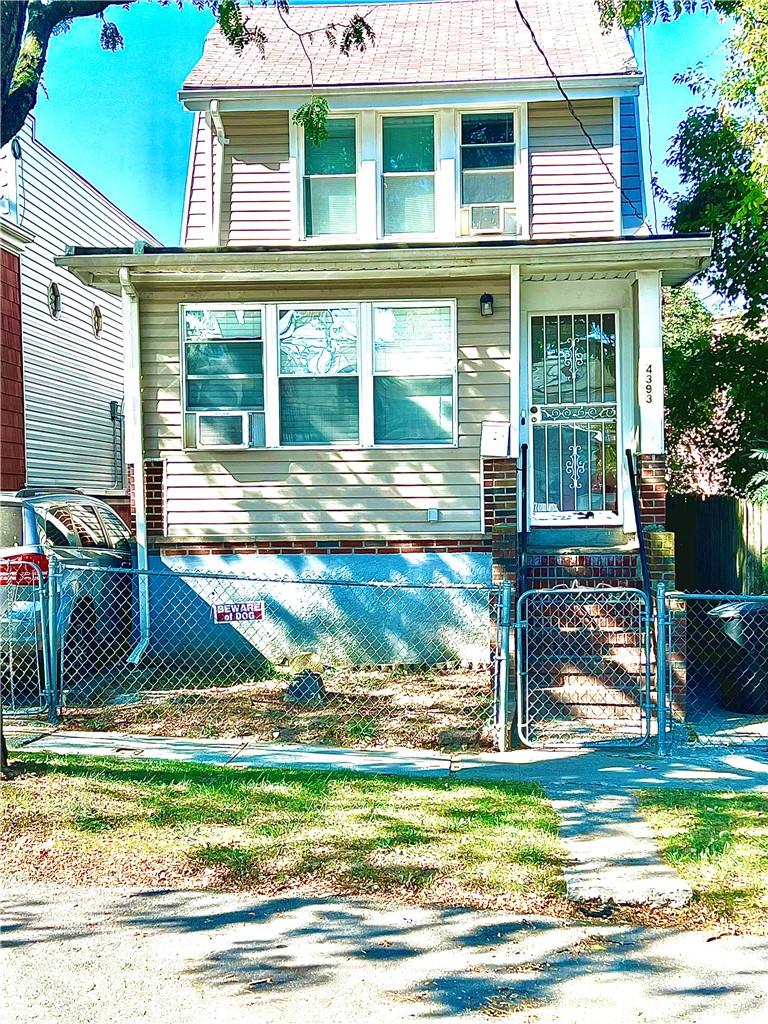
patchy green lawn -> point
(105, 821)
(719, 843)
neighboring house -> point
(62, 341)
(337, 370)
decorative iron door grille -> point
(584, 667)
(574, 416)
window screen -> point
(408, 179)
(414, 374)
(319, 382)
(330, 191)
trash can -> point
(742, 662)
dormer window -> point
(330, 181)
(487, 158)
(408, 175)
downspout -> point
(134, 451)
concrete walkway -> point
(613, 854)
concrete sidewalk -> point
(612, 852)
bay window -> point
(413, 374)
(330, 182)
(487, 158)
(408, 174)
(223, 353)
(318, 375)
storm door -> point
(573, 419)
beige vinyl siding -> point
(197, 209)
(70, 376)
(571, 192)
(327, 492)
(256, 187)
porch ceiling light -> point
(486, 304)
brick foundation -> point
(500, 512)
(353, 546)
(12, 444)
(652, 489)
(593, 569)
(154, 495)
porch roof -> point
(677, 257)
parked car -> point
(93, 610)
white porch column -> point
(515, 355)
(650, 383)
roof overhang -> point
(382, 94)
(676, 257)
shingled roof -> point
(441, 41)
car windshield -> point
(11, 526)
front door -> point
(573, 418)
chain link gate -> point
(25, 686)
(584, 667)
(715, 649)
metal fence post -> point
(505, 625)
(51, 646)
(661, 667)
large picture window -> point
(319, 375)
(330, 193)
(318, 368)
(408, 174)
(413, 374)
(487, 158)
(223, 352)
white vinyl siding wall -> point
(571, 191)
(197, 211)
(70, 376)
(256, 193)
(320, 492)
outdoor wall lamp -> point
(486, 304)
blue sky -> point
(116, 119)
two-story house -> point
(342, 367)
(61, 341)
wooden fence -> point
(721, 543)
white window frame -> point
(418, 304)
(302, 225)
(380, 173)
(213, 306)
(365, 375)
(574, 518)
(276, 376)
(520, 201)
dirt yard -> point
(440, 708)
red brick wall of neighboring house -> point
(652, 488)
(12, 449)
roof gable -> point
(435, 42)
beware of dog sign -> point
(243, 611)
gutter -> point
(134, 451)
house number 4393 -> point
(649, 384)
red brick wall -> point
(12, 449)
(500, 510)
(652, 488)
(154, 484)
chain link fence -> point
(24, 676)
(290, 660)
(717, 668)
(584, 667)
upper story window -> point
(330, 183)
(224, 377)
(487, 158)
(408, 175)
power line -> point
(648, 124)
(576, 117)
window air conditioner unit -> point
(492, 219)
(222, 430)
